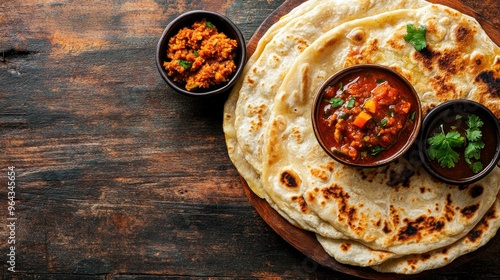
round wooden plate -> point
(305, 241)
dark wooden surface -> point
(118, 177)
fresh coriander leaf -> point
(441, 147)
(432, 152)
(196, 53)
(377, 149)
(415, 36)
(437, 140)
(474, 122)
(209, 24)
(383, 122)
(474, 135)
(448, 158)
(475, 144)
(341, 86)
(473, 150)
(454, 139)
(412, 116)
(335, 102)
(477, 167)
(478, 145)
(458, 116)
(350, 104)
(379, 81)
(185, 64)
(473, 132)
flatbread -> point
(235, 153)
(349, 252)
(248, 107)
(260, 84)
(482, 233)
(399, 207)
(275, 82)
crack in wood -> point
(15, 53)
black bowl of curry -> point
(201, 53)
(459, 142)
(366, 115)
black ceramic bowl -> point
(452, 116)
(405, 138)
(223, 24)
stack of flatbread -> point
(395, 218)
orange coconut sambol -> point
(200, 56)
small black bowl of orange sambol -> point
(366, 115)
(201, 53)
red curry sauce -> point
(362, 115)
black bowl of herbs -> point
(459, 142)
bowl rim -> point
(159, 56)
(412, 138)
(422, 142)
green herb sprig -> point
(185, 64)
(416, 36)
(350, 104)
(474, 143)
(441, 147)
(335, 102)
(209, 24)
(375, 150)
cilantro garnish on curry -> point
(448, 144)
(363, 115)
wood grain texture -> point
(117, 176)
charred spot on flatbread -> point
(425, 57)
(477, 233)
(319, 173)
(250, 81)
(492, 83)
(345, 246)
(345, 210)
(386, 228)
(311, 196)
(469, 211)
(302, 203)
(476, 191)
(401, 178)
(335, 192)
(464, 35)
(474, 235)
(445, 90)
(290, 179)
(257, 112)
(449, 212)
(449, 62)
(415, 229)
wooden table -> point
(117, 176)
